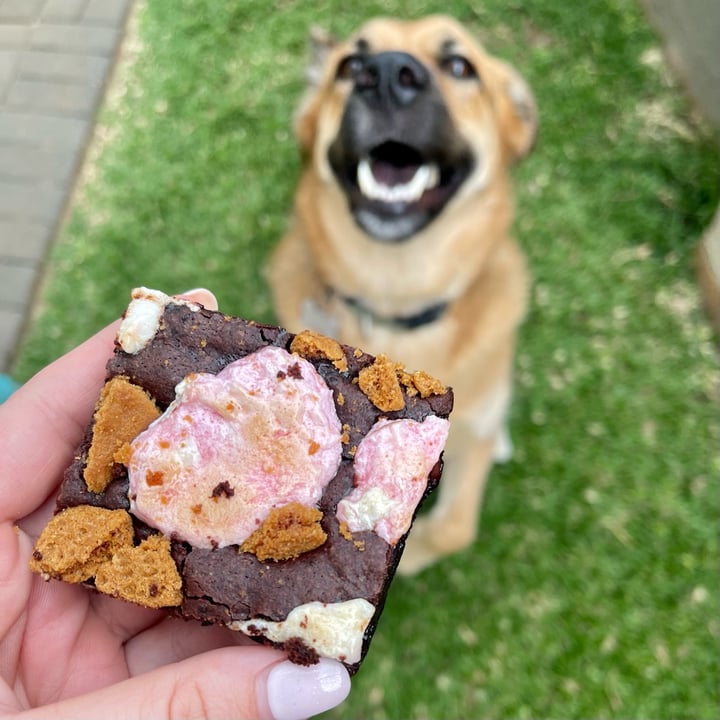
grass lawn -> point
(592, 591)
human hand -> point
(67, 652)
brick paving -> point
(55, 59)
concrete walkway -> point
(55, 59)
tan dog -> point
(400, 240)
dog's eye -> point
(459, 67)
(349, 67)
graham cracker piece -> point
(123, 411)
(421, 382)
(145, 574)
(314, 346)
(287, 532)
(78, 540)
(406, 380)
(380, 383)
(345, 532)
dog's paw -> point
(315, 318)
(418, 553)
(503, 450)
(434, 537)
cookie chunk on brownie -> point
(238, 474)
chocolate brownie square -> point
(242, 475)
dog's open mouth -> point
(394, 191)
(396, 175)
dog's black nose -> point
(394, 77)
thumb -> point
(224, 684)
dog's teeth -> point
(366, 180)
(416, 187)
(426, 177)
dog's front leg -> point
(452, 523)
(295, 286)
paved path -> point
(55, 58)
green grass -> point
(592, 591)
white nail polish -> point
(296, 692)
(203, 296)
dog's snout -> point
(395, 77)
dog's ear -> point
(321, 44)
(516, 110)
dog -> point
(400, 241)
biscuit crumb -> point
(145, 574)
(380, 383)
(286, 533)
(314, 346)
(344, 531)
(423, 383)
(345, 437)
(406, 380)
(78, 540)
(123, 411)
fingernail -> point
(202, 295)
(296, 692)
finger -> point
(227, 683)
(33, 524)
(173, 640)
(42, 423)
(202, 296)
(125, 619)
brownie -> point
(239, 474)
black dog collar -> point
(403, 322)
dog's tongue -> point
(388, 174)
